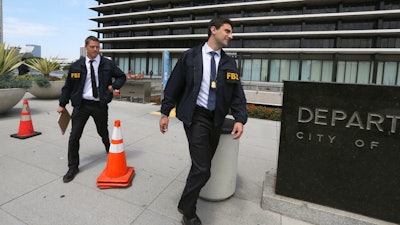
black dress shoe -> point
(70, 175)
(192, 221)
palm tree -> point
(9, 61)
(42, 65)
(45, 67)
(12, 87)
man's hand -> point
(60, 109)
(237, 130)
(164, 124)
(110, 88)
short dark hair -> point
(91, 38)
(217, 23)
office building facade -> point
(36, 50)
(31, 50)
(352, 41)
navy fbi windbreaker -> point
(183, 87)
(75, 82)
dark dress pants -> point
(203, 138)
(80, 116)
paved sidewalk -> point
(31, 171)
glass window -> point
(158, 32)
(181, 18)
(355, 7)
(319, 26)
(390, 24)
(318, 43)
(317, 9)
(340, 73)
(379, 73)
(140, 21)
(398, 73)
(388, 42)
(285, 11)
(139, 65)
(180, 31)
(351, 72)
(281, 43)
(359, 72)
(327, 70)
(124, 63)
(256, 70)
(251, 43)
(275, 69)
(390, 73)
(246, 69)
(136, 68)
(284, 70)
(285, 27)
(294, 70)
(392, 5)
(132, 63)
(362, 25)
(160, 19)
(316, 68)
(142, 65)
(364, 72)
(255, 28)
(305, 70)
(124, 22)
(155, 66)
(254, 13)
(264, 70)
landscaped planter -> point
(52, 92)
(10, 97)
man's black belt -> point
(205, 110)
(90, 101)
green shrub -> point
(264, 112)
(156, 100)
(42, 81)
(14, 81)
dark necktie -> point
(212, 94)
(93, 78)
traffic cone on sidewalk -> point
(25, 125)
(116, 173)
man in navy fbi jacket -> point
(90, 87)
(203, 86)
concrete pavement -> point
(31, 171)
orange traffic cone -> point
(116, 173)
(25, 125)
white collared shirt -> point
(87, 89)
(202, 99)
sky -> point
(58, 26)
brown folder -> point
(63, 120)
